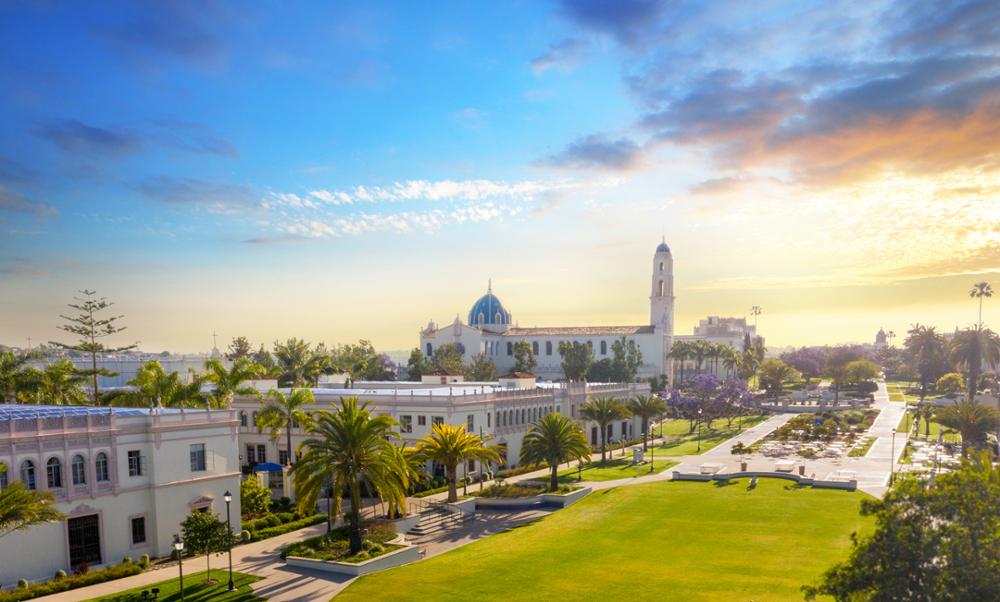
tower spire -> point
(489, 287)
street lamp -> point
(892, 458)
(179, 545)
(699, 430)
(229, 527)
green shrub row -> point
(67, 583)
(519, 470)
(271, 520)
(288, 527)
(431, 492)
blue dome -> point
(663, 248)
(488, 310)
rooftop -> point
(580, 331)
(27, 411)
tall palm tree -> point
(731, 360)
(699, 351)
(21, 509)
(347, 447)
(680, 351)
(646, 407)
(604, 410)
(282, 412)
(229, 383)
(778, 373)
(748, 364)
(925, 412)
(61, 384)
(15, 374)
(415, 472)
(298, 364)
(925, 343)
(451, 445)
(554, 439)
(973, 347)
(838, 373)
(980, 290)
(971, 419)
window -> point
(548, 347)
(661, 266)
(430, 350)
(134, 464)
(460, 348)
(510, 349)
(251, 454)
(262, 454)
(255, 419)
(488, 421)
(558, 409)
(138, 530)
(472, 466)
(593, 435)
(534, 348)
(590, 344)
(631, 344)
(406, 424)
(198, 457)
(84, 540)
(28, 475)
(53, 470)
(504, 419)
(523, 413)
(661, 289)
(243, 419)
(437, 419)
(79, 469)
(3, 480)
(572, 411)
(101, 468)
(283, 457)
(421, 420)
(604, 347)
(470, 423)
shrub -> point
(282, 504)
(60, 574)
(289, 527)
(362, 556)
(255, 498)
(519, 470)
(245, 536)
(284, 517)
(22, 584)
(431, 492)
(144, 561)
(127, 560)
(175, 555)
(68, 583)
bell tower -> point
(661, 300)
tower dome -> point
(489, 311)
(662, 247)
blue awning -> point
(267, 467)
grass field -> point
(194, 589)
(919, 434)
(619, 468)
(687, 444)
(664, 541)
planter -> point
(554, 500)
(393, 559)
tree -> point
(734, 400)
(604, 410)
(21, 509)
(481, 368)
(262, 357)
(360, 361)
(255, 499)
(980, 290)
(681, 352)
(151, 386)
(205, 534)
(973, 347)
(283, 411)
(807, 360)
(838, 373)
(950, 383)
(925, 412)
(452, 445)
(860, 371)
(646, 407)
(908, 374)
(601, 371)
(926, 345)
(240, 348)
(15, 375)
(445, 357)
(524, 359)
(576, 359)
(931, 543)
(971, 419)
(61, 384)
(90, 328)
(554, 439)
(348, 447)
(626, 360)
(415, 366)
(776, 373)
(297, 363)
(890, 359)
(229, 383)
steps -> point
(436, 518)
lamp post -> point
(892, 458)
(699, 430)
(179, 545)
(229, 498)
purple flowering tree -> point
(683, 407)
(810, 361)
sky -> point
(339, 171)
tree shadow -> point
(724, 483)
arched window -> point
(243, 419)
(661, 289)
(3, 479)
(631, 344)
(534, 348)
(79, 467)
(548, 347)
(460, 347)
(510, 417)
(488, 422)
(430, 350)
(504, 416)
(497, 318)
(604, 347)
(255, 419)
(28, 475)
(53, 470)
(101, 467)
(522, 416)
(661, 266)
(480, 318)
(590, 344)
(510, 349)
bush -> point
(60, 574)
(22, 584)
(289, 527)
(519, 470)
(144, 561)
(284, 517)
(76, 581)
(245, 536)
(175, 555)
(255, 499)
(282, 504)
(127, 560)
(431, 492)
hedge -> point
(271, 520)
(287, 528)
(76, 581)
(430, 492)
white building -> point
(124, 477)
(719, 331)
(491, 330)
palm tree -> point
(731, 360)
(451, 445)
(283, 412)
(646, 407)
(748, 364)
(21, 509)
(699, 351)
(554, 439)
(925, 412)
(604, 410)
(839, 375)
(298, 363)
(60, 384)
(971, 348)
(680, 351)
(15, 374)
(415, 472)
(971, 419)
(925, 343)
(229, 383)
(778, 373)
(347, 447)
(980, 290)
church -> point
(490, 329)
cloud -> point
(597, 152)
(193, 137)
(411, 190)
(718, 186)
(566, 55)
(470, 118)
(13, 202)
(216, 197)
(13, 172)
(626, 20)
(73, 136)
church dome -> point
(488, 310)
(663, 248)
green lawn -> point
(194, 589)
(687, 444)
(667, 541)
(619, 468)
(919, 434)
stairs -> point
(436, 517)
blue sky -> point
(348, 170)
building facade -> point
(124, 477)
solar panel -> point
(27, 412)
